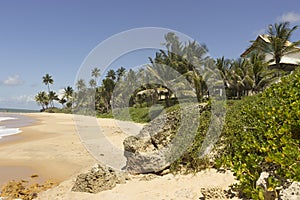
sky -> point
(56, 37)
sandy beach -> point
(52, 148)
(49, 147)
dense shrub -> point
(262, 133)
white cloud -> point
(13, 81)
(61, 93)
(23, 98)
(22, 102)
(291, 17)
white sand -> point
(53, 148)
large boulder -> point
(99, 178)
(150, 150)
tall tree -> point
(47, 80)
(42, 99)
(62, 101)
(92, 83)
(68, 94)
(263, 76)
(96, 74)
(185, 58)
(80, 85)
(52, 96)
(111, 74)
(120, 72)
(279, 44)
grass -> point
(139, 115)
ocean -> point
(10, 123)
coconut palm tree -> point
(80, 85)
(279, 44)
(68, 94)
(96, 73)
(62, 101)
(111, 74)
(92, 83)
(240, 77)
(52, 96)
(120, 72)
(42, 99)
(263, 76)
(47, 80)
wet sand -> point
(49, 147)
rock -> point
(24, 189)
(262, 180)
(213, 193)
(99, 178)
(150, 150)
(290, 193)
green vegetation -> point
(139, 115)
(262, 133)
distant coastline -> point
(16, 110)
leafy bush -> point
(262, 133)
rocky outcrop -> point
(290, 193)
(23, 189)
(162, 140)
(99, 178)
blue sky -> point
(39, 37)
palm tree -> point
(185, 59)
(120, 72)
(68, 94)
(111, 74)
(42, 99)
(52, 96)
(96, 73)
(62, 101)
(263, 76)
(279, 42)
(80, 84)
(47, 80)
(240, 77)
(92, 83)
(107, 91)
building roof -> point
(264, 38)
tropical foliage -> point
(181, 61)
(262, 133)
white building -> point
(288, 62)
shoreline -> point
(49, 147)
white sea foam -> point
(8, 131)
(6, 118)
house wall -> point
(294, 55)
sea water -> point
(5, 131)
